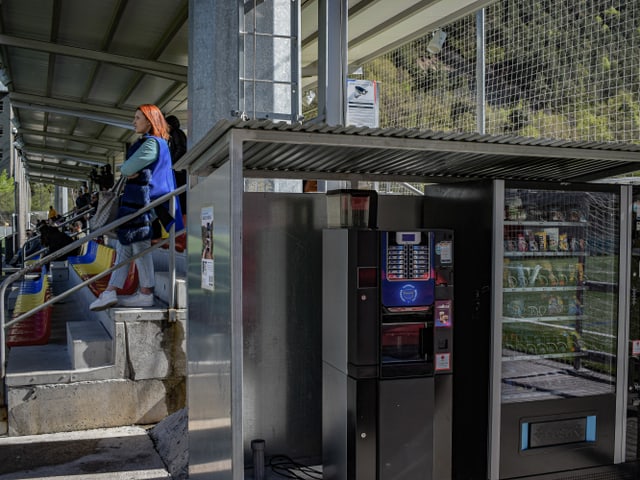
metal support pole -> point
(480, 71)
(332, 59)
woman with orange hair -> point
(149, 176)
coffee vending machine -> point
(387, 354)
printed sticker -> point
(443, 313)
(443, 361)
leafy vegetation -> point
(567, 70)
(7, 199)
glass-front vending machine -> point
(632, 437)
(558, 330)
(542, 316)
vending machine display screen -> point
(407, 270)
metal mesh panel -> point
(429, 91)
(566, 69)
(268, 61)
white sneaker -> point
(107, 299)
(136, 300)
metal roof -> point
(315, 151)
(77, 69)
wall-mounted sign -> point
(362, 103)
(207, 257)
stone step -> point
(89, 344)
(120, 366)
(50, 364)
(66, 407)
(4, 425)
(163, 286)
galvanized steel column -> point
(213, 64)
(332, 60)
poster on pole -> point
(207, 258)
(362, 103)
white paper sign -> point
(362, 103)
(443, 361)
(207, 258)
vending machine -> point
(542, 305)
(632, 451)
(387, 353)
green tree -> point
(7, 198)
(41, 197)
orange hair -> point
(159, 126)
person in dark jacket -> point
(106, 179)
(178, 147)
(149, 176)
(54, 239)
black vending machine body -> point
(540, 271)
(387, 354)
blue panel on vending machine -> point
(407, 270)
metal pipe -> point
(480, 71)
(172, 262)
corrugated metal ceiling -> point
(76, 70)
(355, 153)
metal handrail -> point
(71, 218)
(171, 197)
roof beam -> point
(81, 157)
(97, 113)
(65, 182)
(94, 142)
(407, 20)
(177, 73)
(67, 170)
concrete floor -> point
(113, 453)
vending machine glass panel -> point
(559, 325)
(407, 275)
(407, 303)
(560, 297)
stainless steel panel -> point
(335, 305)
(282, 388)
(282, 324)
(209, 339)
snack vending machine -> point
(387, 354)
(548, 266)
(632, 452)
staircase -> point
(118, 367)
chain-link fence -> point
(567, 69)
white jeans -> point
(144, 263)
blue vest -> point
(163, 179)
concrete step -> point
(89, 344)
(50, 364)
(4, 425)
(75, 406)
(120, 366)
(121, 453)
(163, 287)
